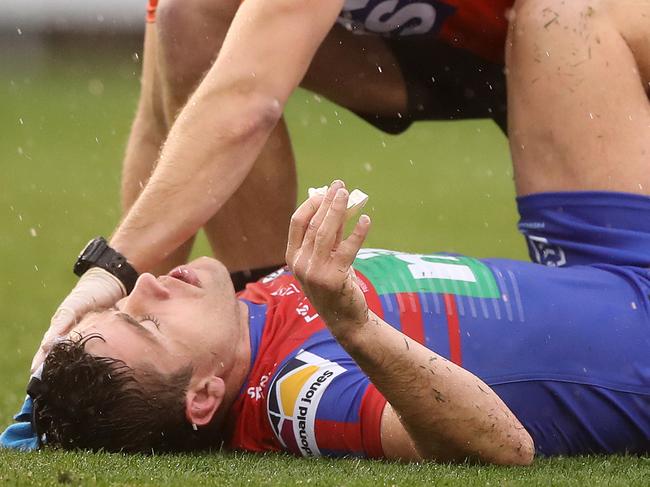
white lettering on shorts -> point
(395, 17)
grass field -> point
(64, 118)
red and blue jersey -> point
(566, 349)
(304, 394)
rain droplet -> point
(19, 30)
(367, 166)
(20, 121)
(633, 304)
(379, 69)
(323, 119)
(32, 232)
(35, 267)
(135, 57)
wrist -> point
(352, 334)
(99, 254)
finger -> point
(64, 317)
(317, 219)
(299, 222)
(38, 359)
(347, 251)
(332, 224)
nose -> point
(148, 287)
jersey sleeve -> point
(325, 407)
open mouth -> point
(185, 274)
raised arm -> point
(218, 135)
(444, 411)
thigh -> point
(579, 113)
(393, 81)
(358, 72)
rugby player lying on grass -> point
(565, 349)
(407, 356)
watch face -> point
(86, 248)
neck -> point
(238, 371)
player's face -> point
(188, 317)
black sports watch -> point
(99, 254)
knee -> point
(190, 33)
(183, 17)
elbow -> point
(520, 452)
(526, 451)
(243, 118)
(258, 115)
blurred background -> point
(69, 82)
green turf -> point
(63, 122)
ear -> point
(203, 400)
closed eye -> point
(151, 318)
(137, 325)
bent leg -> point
(250, 229)
(147, 136)
(577, 80)
(358, 72)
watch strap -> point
(99, 254)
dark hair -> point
(100, 403)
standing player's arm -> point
(436, 410)
(148, 133)
(219, 133)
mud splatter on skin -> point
(438, 395)
(553, 20)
